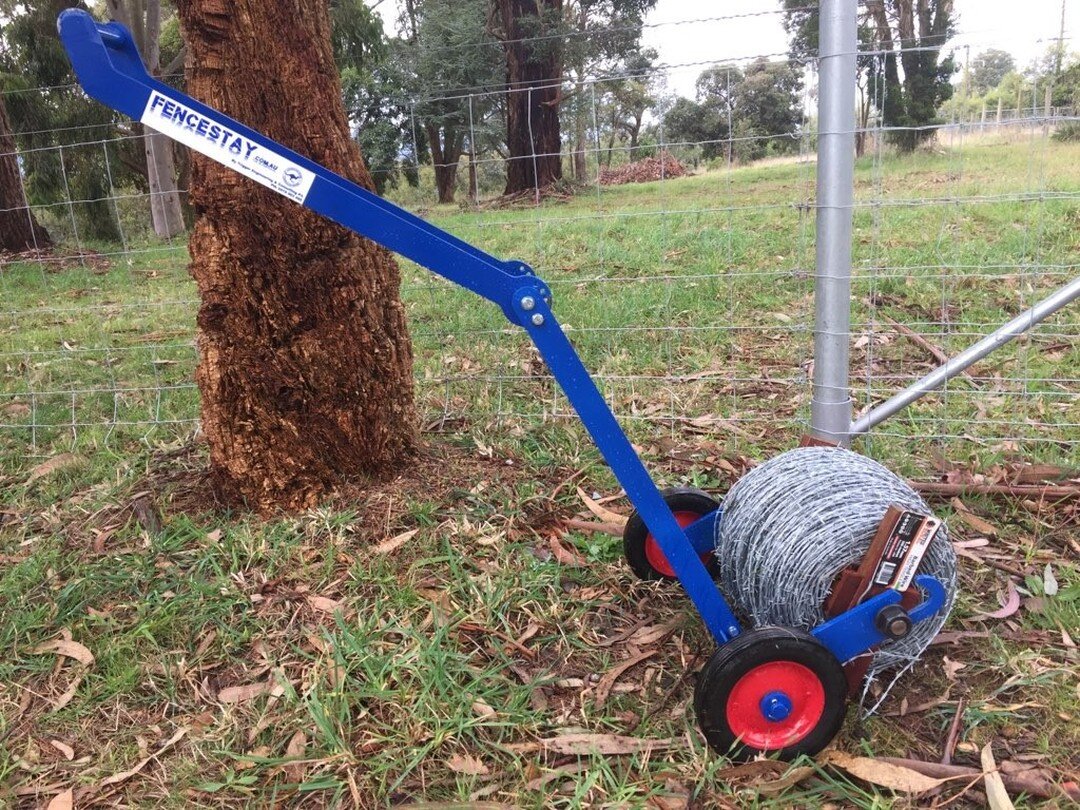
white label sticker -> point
(217, 141)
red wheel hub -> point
(795, 682)
(655, 555)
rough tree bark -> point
(305, 362)
(143, 18)
(533, 75)
(19, 228)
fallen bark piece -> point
(604, 744)
(996, 793)
(1017, 777)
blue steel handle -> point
(108, 66)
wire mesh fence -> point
(689, 290)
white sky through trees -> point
(1025, 29)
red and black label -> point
(907, 544)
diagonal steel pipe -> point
(992, 342)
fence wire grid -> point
(690, 297)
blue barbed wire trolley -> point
(772, 690)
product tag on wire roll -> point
(908, 541)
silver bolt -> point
(528, 302)
(538, 319)
(899, 628)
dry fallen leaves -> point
(562, 554)
(52, 465)
(123, 776)
(67, 648)
(395, 542)
(324, 604)
(463, 763)
(883, 774)
(63, 748)
(246, 692)
(1012, 604)
(964, 513)
(482, 709)
(603, 688)
(605, 515)
(294, 771)
(1050, 583)
(62, 801)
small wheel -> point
(775, 691)
(643, 553)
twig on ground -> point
(923, 343)
(1013, 490)
(954, 733)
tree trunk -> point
(533, 74)
(166, 212)
(445, 157)
(635, 133)
(143, 17)
(474, 191)
(581, 164)
(305, 363)
(19, 228)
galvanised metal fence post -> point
(830, 408)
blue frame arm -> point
(108, 66)
(110, 70)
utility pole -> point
(1061, 43)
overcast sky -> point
(1025, 29)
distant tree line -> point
(524, 93)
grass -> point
(426, 672)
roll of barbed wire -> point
(792, 524)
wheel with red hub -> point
(774, 691)
(643, 553)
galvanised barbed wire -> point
(792, 524)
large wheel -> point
(643, 553)
(774, 691)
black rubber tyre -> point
(641, 550)
(770, 666)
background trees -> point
(904, 34)
(449, 53)
(531, 32)
(989, 67)
(58, 114)
(520, 91)
(753, 111)
(376, 89)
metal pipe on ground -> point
(992, 342)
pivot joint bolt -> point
(893, 621)
(538, 319)
(528, 303)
